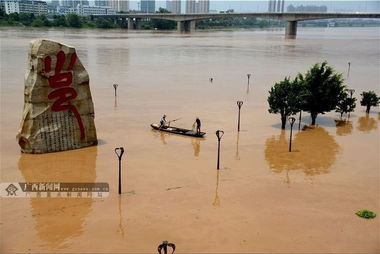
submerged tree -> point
(346, 104)
(284, 98)
(369, 99)
(323, 89)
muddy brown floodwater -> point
(263, 199)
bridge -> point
(186, 22)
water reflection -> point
(366, 123)
(196, 143)
(59, 219)
(237, 156)
(121, 227)
(343, 127)
(314, 152)
(115, 103)
(216, 199)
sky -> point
(262, 6)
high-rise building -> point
(101, 3)
(203, 6)
(190, 6)
(119, 5)
(276, 5)
(173, 6)
(74, 3)
(148, 6)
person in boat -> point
(198, 125)
(163, 121)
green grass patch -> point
(366, 214)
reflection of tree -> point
(314, 152)
(343, 127)
(59, 219)
(366, 123)
(196, 143)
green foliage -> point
(369, 99)
(104, 23)
(161, 24)
(323, 89)
(41, 21)
(2, 14)
(366, 214)
(285, 97)
(60, 21)
(346, 104)
(162, 10)
(250, 22)
(73, 20)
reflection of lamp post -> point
(115, 87)
(352, 91)
(299, 123)
(291, 121)
(119, 152)
(219, 135)
(239, 104)
(248, 76)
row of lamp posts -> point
(219, 134)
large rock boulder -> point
(58, 111)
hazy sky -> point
(262, 6)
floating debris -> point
(366, 214)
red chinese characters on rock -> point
(61, 82)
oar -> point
(174, 120)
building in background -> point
(173, 6)
(148, 6)
(85, 10)
(203, 6)
(190, 6)
(73, 3)
(101, 3)
(35, 7)
(276, 5)
(306, 8)
(119, 5)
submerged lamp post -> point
(291, 121)
(115, 87)
(164, 245)
(119, 152)
(219, 135)
(239, 104)
(248, 76)
(349, 67)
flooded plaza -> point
(263, 199)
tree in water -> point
(284, 98)
(323, 89)
(369, 99)
(346, 104)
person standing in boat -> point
(163, 121)
(198, 123)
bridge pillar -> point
(291, 29)
(131, 24)
(186, 26)
(138, 23)
(134, 24)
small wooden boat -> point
(178, 130)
